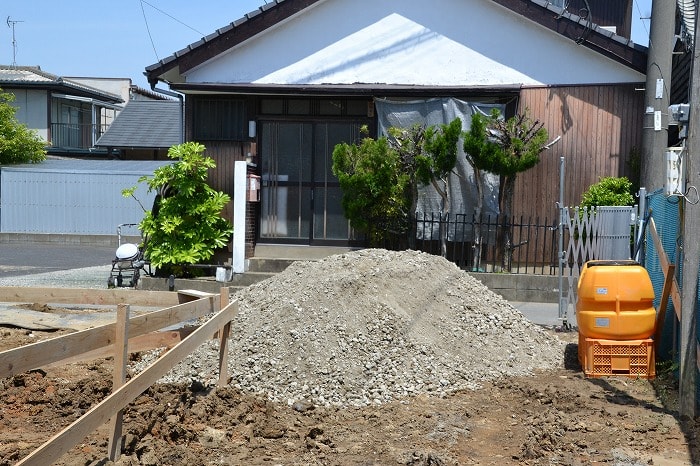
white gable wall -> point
(411, 42)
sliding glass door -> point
(301, 198)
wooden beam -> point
(19, 294)
(62, 442)
(38, 354)
(145, 342)
(663, 303)
(674, 290)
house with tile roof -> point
(144, 130)
(68, 114)
(287, 82)
(73, 113)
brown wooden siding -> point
(599, 127)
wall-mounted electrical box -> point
(675, 175)
(678, 113)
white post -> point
(239, 203)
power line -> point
(148, 30)
(171, 17)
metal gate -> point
(603, 233)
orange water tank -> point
(615, 301)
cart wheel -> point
(110, 282)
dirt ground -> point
(557, 417)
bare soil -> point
(556, 417)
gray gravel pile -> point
(369, 327)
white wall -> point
(32, 110)
(411, 42)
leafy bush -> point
(18, 144)
(374, 188)
(608, 191)
(185, 225)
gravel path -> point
(86, 277)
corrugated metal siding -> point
(599, 126)
(72, 197)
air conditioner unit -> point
(675, 173)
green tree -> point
(18, 144)
(408, 143)
(505, 148)
(374, 187)
(436, 162)
(185, 225)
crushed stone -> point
(370, 327)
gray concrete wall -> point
(521, 287)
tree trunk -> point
(506, 206)
(412, 221)
(478, 181)
(444, 212)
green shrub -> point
(608, 191)
(185, 225)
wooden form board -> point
(114, 296)
(46, 352)
(127, 393)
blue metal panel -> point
(666, 217)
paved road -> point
(17, 259)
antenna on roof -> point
(11, 24)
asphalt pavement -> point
(18, 259)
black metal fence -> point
(533, 243)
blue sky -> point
(101, 38)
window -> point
(339, 107)
(220, 119)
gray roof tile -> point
(145, 124)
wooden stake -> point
(121, 353)
(223, 340)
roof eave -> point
(345, 90)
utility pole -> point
(656, 95)
(691, 251)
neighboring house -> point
(69, 115)
(144, 130)
(289, 81)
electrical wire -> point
(148, 30)
(171, 17)
(642, 18)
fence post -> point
(121, 351)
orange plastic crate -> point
(605, 358)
